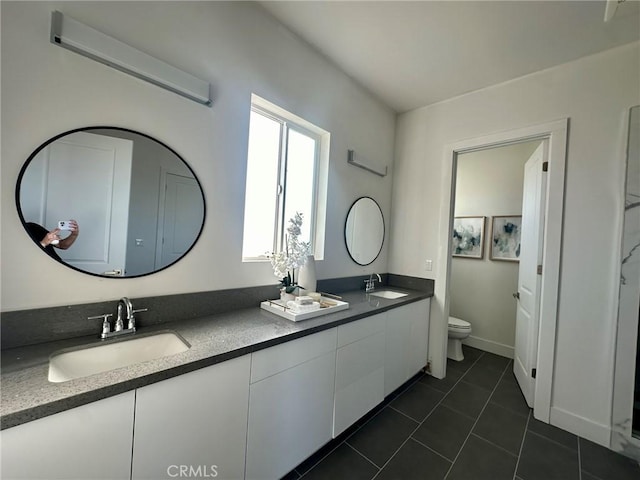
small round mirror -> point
(364, 231)
(110, 202)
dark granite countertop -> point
(27, 393)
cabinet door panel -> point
(397, 336)
(406, 343)
(419, 336)
(88, 442)
(197, 420)
(290, 417)
(359, 380)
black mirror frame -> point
(121, 129)
(384, 231)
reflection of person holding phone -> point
(49, 239)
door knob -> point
(516, 295)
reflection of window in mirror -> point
(284, 176)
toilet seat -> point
(458, 324)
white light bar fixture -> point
(351, 158)
(73, 35)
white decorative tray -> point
(279, 308)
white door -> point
(529, 280)
(86, 177)
(180, 218)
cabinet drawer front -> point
(354, 331)
(270, 361)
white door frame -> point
(556, 133)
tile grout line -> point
(458, 411)
(526, 428)
(495, 445)
(504, 370)
(579, 458)
(428, 447)
(362, 455)
(404, 414)
(558, 444)
(333, 449)
(428, 415)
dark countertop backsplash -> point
(42, 325)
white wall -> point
(488, 183)
(241, 50)
(595, 93)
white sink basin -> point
(388, 294)
(67, 365)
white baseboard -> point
(489, 346)
(581, 426)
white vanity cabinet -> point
(92, 441)
(406, 343)
(290, 404)
(255, 417)
(194, 423)
(359, 370)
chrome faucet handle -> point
(132, 318)
(106, 326)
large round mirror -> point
(364, 231)
(110, 202)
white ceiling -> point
(411, 54)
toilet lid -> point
(458, 323)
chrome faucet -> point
(125, 304)
(370, 284)
(126, 313)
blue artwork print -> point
(505, 241)
(468, 237)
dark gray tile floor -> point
(474, 424)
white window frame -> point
(316, 223)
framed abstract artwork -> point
(468, 237)
(505, 237)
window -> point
(284, 176)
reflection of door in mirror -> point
(179, 217)
(117, 184)
(90, 183)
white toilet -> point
(458, 330)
